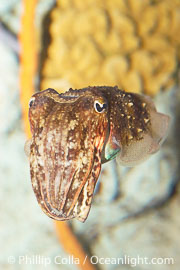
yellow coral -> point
(132, 44)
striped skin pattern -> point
(73, 133)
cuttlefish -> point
(73, 133)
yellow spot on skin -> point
(72, 124)
(84, 160)
(130, 137)
(139, 129)
(143, 104)
(146, 120)
(72, 145)
(122, 114)
(130, 104)
(128, 116)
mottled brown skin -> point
(65, 152)
(75, 132)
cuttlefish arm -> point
(65, 152)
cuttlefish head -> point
(136, 129)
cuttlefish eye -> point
(99, 107)
(31, 102)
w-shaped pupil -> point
(100, 107)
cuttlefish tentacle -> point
(73, 133)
